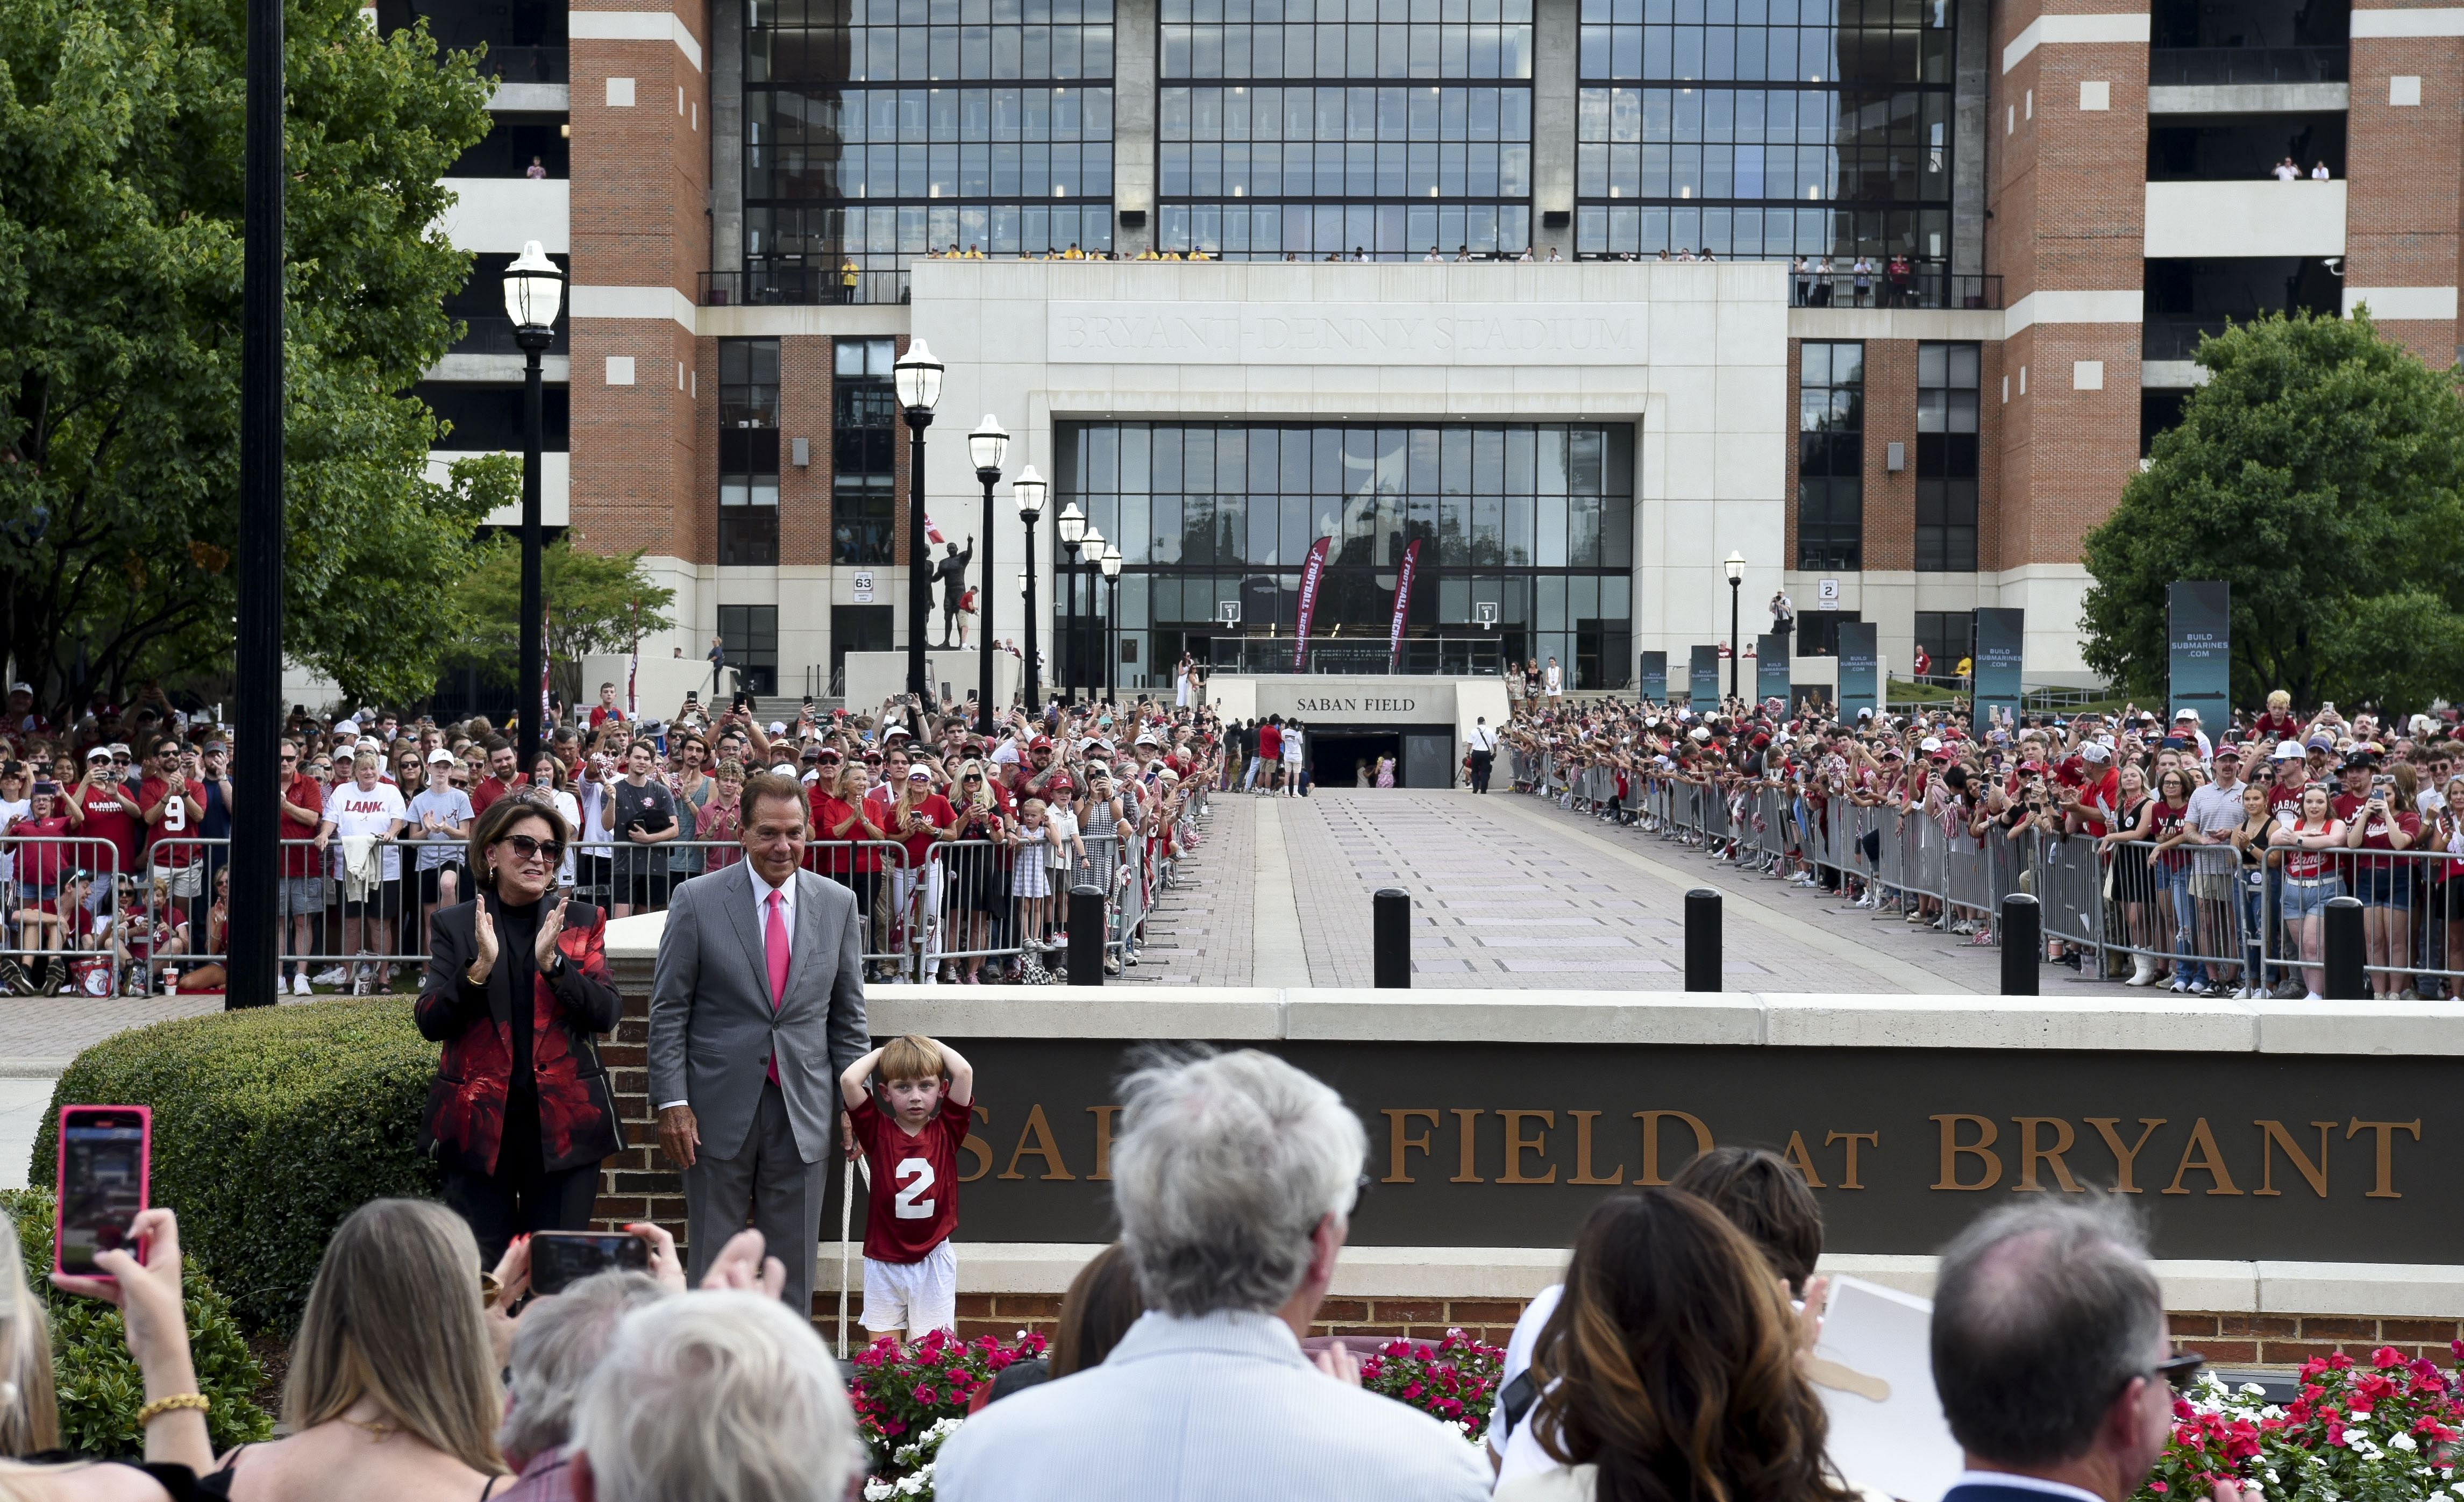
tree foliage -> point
(596, 603)
(2320, 474)
(121, 254)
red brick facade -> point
(2407, 168)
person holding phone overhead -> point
(519, 1114)
(757, 1009)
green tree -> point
(2320, 474)
(121, 250)
(596, 602)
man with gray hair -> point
(724, 1396)
(1234, 1178)
(2051, 1358)
(557, 1344)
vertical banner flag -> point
(1655, 677)
(1312, 574)
(1703, 684)
(1402, 604)
(2000, 636)
(2198, 615)
(1860, 668)
(633, 674)
(547, 660)
(1770, 667)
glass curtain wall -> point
(864, 451)
(1528, 526)
(1321, 128)
(748, 452)
(1948, 457)
(1760, 128)
(1831, 455)
(875, 130)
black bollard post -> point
(1087, 924)
(2346, 981)
(2023, 944)
(1391, 940)
(1702, 939)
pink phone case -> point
(144, 1176)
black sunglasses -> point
(527, 846)
(2180, 1369)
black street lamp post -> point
(1027, 491)
(534, 291)
(988, 445)
(1090, 548)
(917, 376)
(1072, 527)
(1736, 567)
(1111, 566)
(256, 925)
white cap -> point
(777, 727)
(1929, 743)
(1702, 732)
(2095, 751)
(2286, 751)
(441, 756)
(2189, 714)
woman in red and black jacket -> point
(519, 1114)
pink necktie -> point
(774, 944)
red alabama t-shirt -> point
(915, 1202)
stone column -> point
(1555, 26)
(1133, 122)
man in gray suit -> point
(756, 1005)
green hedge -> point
(100, 1390)
(270, 1126)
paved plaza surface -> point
(1511, 890)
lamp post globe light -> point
(1736, 567)
(533, 292)
(988, 445)
(1090, 544)
(1027, 492)
(918, 379)
(1071, 524)
(1111, 566)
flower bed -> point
(901, 1394)
(2381, 1432)
(1453, 1382)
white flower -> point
(2402, 1442)
(877, 1491)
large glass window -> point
(1313, 127)
(1831, 455)
(750, 633)
(748, 452)
(1765, 128)
(864, 451)
(876, 130)
(1946, 457)
(1945, 636)
(1526, 535)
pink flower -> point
(2158, 1486)
(2386, 1355)
(926, 1396)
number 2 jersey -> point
(915, 1202)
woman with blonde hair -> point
(173, 1417)
(392, 1391)
(1669, 1368)
(975, 885)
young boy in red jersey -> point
(910, 1135)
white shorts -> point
(913, 1296)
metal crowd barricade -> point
(881, 876)
(83, 950)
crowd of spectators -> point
(1671, 1361)
(114, 832)
(2212, 851)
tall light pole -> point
(1111, 566)
(917, 376)
(256, 927)
(1071, 524)
(534, 291)
(1027, 491)
(987, 446)
(1736, 567)
(1090, 544)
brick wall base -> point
(2291, 1340)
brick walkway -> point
(1511, 892)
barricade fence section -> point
(355, 911)
(2215, 918)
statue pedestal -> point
(872, 676)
